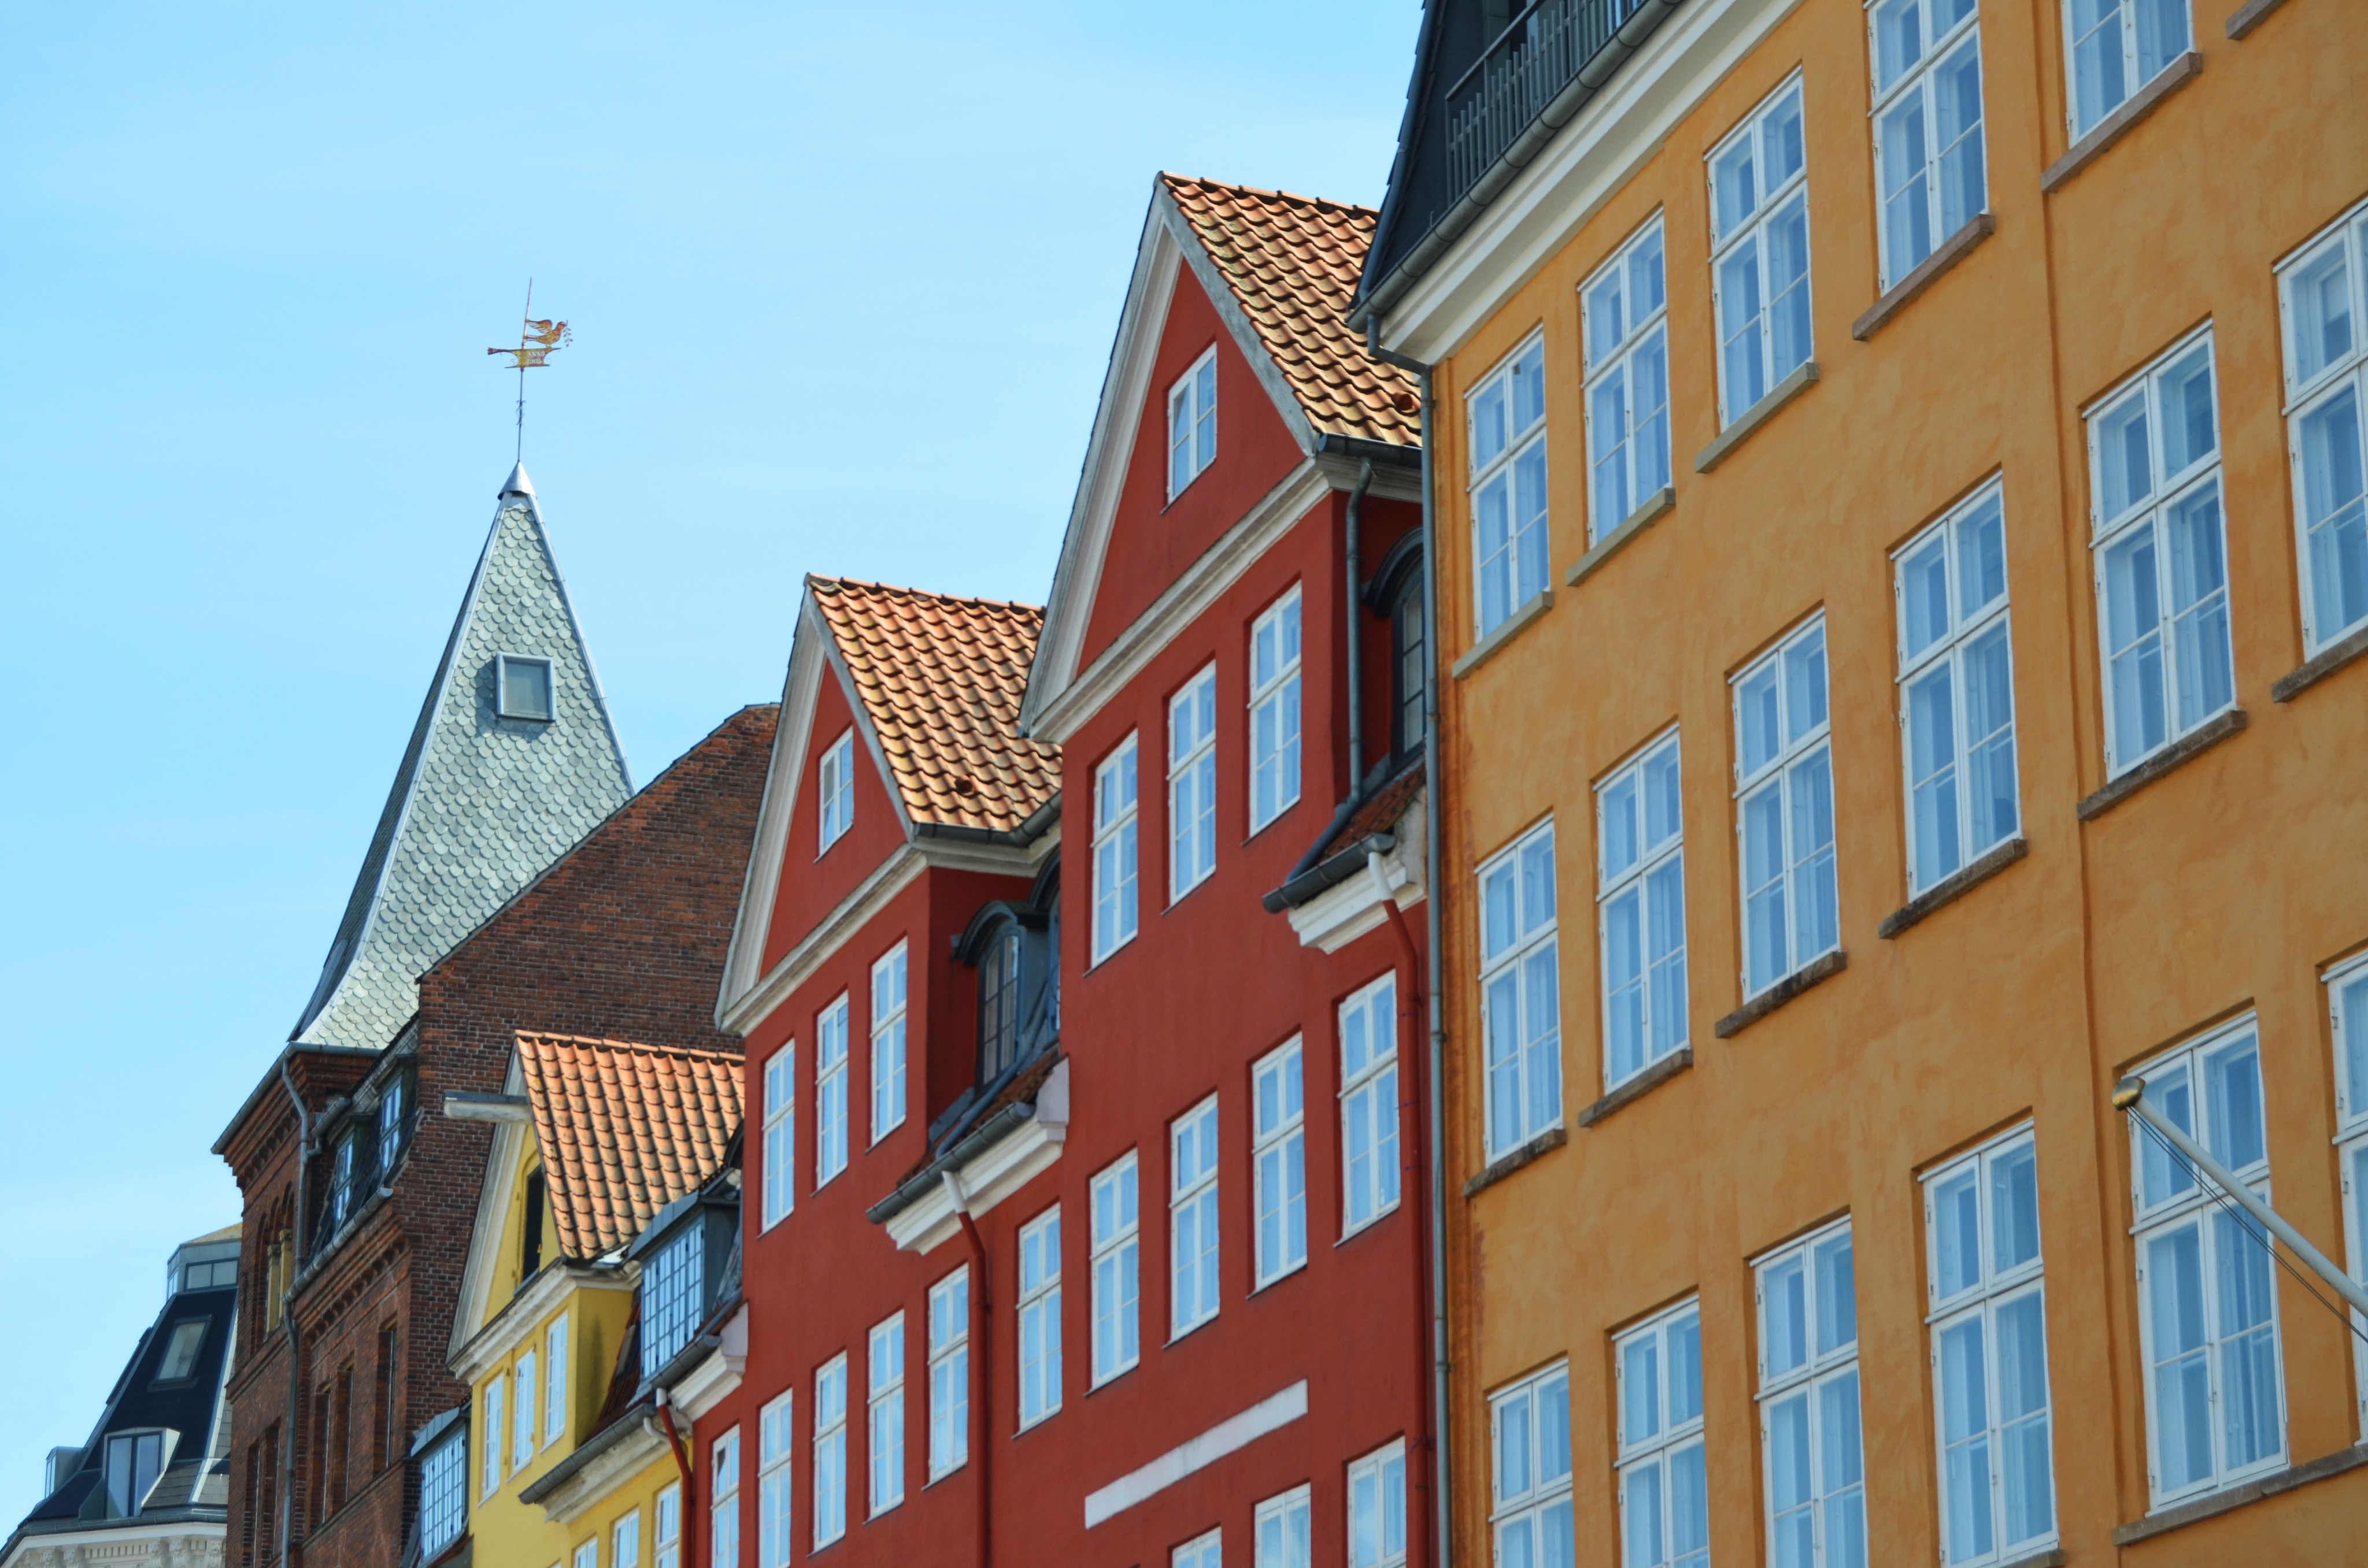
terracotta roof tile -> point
(941, 679)
(624, 1129)
(1293, 262)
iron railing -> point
(1541, 53)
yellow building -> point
(604, 1241)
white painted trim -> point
(181, 1543)
(794, 732)
(593, 1484)
(1235, 1432)
(524, 1315)
(717, 1374)
(1339, 915)
(476, 1304)
(992, 1175)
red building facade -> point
(1140, 1275)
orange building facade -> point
(1901, 594)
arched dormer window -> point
(1395, 593)
(1000, 975)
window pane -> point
(2099, 76)
(1640, 1389)
(1836, 1295)
(1965, 1436)
(1839, 1454)
(1688, 1509)
(1789, 1483)
(2187, 435)
(1529, 387)
(2014, 1207)
(1542, 1048)
(1788, 287)
(1666, 950)
(2332, 515)
(1623, 982)
(2023, 1406)
(2319, 297)
(1646, 280)
(2182, 1386)
(1488, 423)
(1907, 201)
(2233, 1076)
(1932, 774)
(2165, 1173)
(1957, 111)
(1898, 39)
(1736, 185)
(2354, 1010)
(1989, 761)
(1781, 139)
(1607, 320)
(1641, 1511)
(2162, 34)
(1685, 1369)
(1662, 813)
(1537, 882)
(2134, 646)
(1957, 1234)
(2124, 461)
(1755, 703)
(1738, 327)
(2248, 1357)
(1981, 559)
(1924, 595)
(1619, 846)
(1785, 1311)
(1554, 1429)
(1804, 685)
(1816, 921)
(1513, 1446)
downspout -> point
(1412, 1162)
(682, 1468)
(288, 1317)
(981, 1350)
(1356, 650)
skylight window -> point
(522, 687)
(181, 1351)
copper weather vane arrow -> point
(537, 342)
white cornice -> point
(711, 1381)
(1586, 163)
(992, 1175)
(620, 1463)
(524, 1313)
(1342, 914)
(181, 1543)
(800, 686)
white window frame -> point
(1192, 442)
(625, 1541)
(1653, 1436)
(501, 663)
(883, 1415)
(1192, 1191)
(1823, 1368)
(665, 1527)
(2167, 492)
(1652, 878)
(1507, 447)
(1115, 1197)
(1529, 949)
(2314, 396)
(831, 1451)
(587, 1553)
(1276, 710)
(2131, 82)
(1637, 458)
(835, 791)
(523, 1411)
(1278, 1161)
(1117, 863)
(1795, 760)
(1754, 227)
(1919, 79)
(723, 1511)
(1951, 650)
(1192, 784)
(1206, 1551)
(831, 1074)
(1040, 1318)
(950, 1373)
(492, 1416)
(781, 1134)
(554, 1381)
(1274, 1543)
(1370, 1155)
(891, 992)
(1974, 1307)
(2220, 1225)
(1524, 1408)
(776, 1496)
(2347, 1007)
(1376, 1507)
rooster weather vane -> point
(537, 341)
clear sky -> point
(843, 280)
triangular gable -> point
(479, 804)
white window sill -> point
(1504, 630)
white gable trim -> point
(793, 738)
(478, 1267)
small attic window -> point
(837, 790)
(1193, 424)
(181, 1351)
(522, 687)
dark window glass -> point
(530, 1247)
(1407, 666)
(133, 1462)
(998, 1004)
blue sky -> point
(843, 279)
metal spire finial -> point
(536, 340)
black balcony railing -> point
(1540, 53)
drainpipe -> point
(1356, 649)
(682, 1468)
(982, 1349)
(287, 1316)
(1411, 1181)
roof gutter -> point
(1027, 833)
(922, 1182)
(1347, 865)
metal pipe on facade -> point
(982, 1346)
(288, 1318)
(682, 1468)
(1409, 1004)
(1354, 604)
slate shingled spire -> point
(482, 802)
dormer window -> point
(134, 1461)
(1395, 593)
(392, 1101)
(522, 687)
(838, 782)
(673, 1284)
(1193, 424)
(998, 1002)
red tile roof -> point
(625, 1129)
(941, 679)
(1292, 263)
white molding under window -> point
(1377, 1511)
(1624, 310)
(1283, 1530)
(781, 1148)
(888, 1042)
(2346, 1004)
(835, 791)
(1115, 912)
(1193, 1287)
(1760, 251)
(776, 1442)
(1192, 784)
(1521, 991)
(1529, 1470)
(830, 1091)
(1505, 415)
(2323, 306)
(831, 1451)
(1813, 1462)
(2110, 49)
(1113, 1196)
(1193, 423)
(1657, 1464)
(1039, 1317)
(1640, 909)
(1370, 1173)
(524, 688)
(1275, 710)
(883, 1407)
(1931, 173)
(1784, 809)
(950, 1373)
(1278, 1161)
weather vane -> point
(537, 339)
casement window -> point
(1192, 784)
(837, 779)
(674, 1299)
(1760, 252)
(884, 1414)
(394, 1101)
(1114, 824)
(1626, 306)
(831, 1451)
(1117, 1264)
(1989, 1317)
(665, 1527)
(1410, 666)
(587, 1553)
(490, 1434)
(1283, 1530)
(1201, 1552)
(522, 683)
(529, 1391)
(1664, 1494)
(1039, 1317)
(1927, 125)
(2117, 47)
(723, 1508)
(1193, 1218)
(2323, 290)
(1640, 913)
(1274, 711)
(1001, 970)
(1520, 984)
(1278, 1160)
(134, 1462)
(1193, 424)
(443, 1496)
(625, 1544)
(1377, 1508)
(2207, 1293)
(950, 1373)
(1529, 1426)
(781, 1134)
(1809, 1442)
(1507, 416)
(555, 1383)
(775, 1440)
(1368, 1105)
(830, 1091)
(1956, 690)
(2347, 1002)
(1784, 810)
(888, 1043)
(2161, 555)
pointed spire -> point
(518, 483)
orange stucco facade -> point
(2225, 886)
